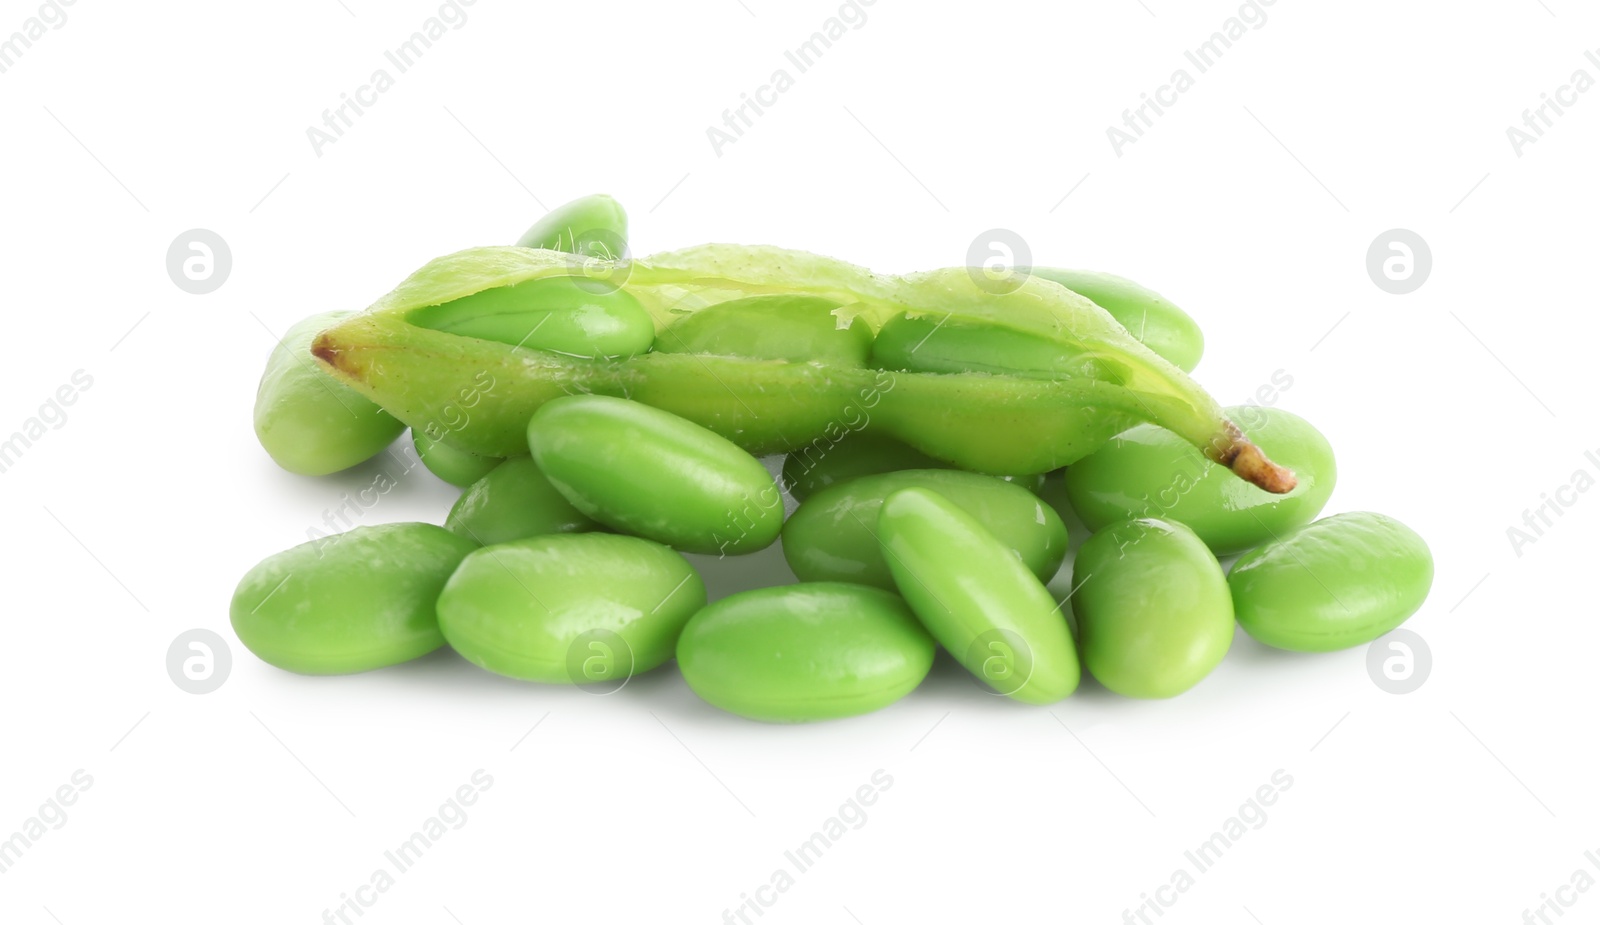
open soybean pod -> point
(988, 423)
(313, 425)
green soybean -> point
(309, 422)
(570, 608)
(572, 316)
(651, 473)
(823, 464)
(1340, 582)
(977, 598)
(512, 502)
(1152, 472)
(595, 226)
(1152, 605)
(562, 314)
(833, 535)
(926, 342)
(351, 602)
(458, 467)
(795, 328)
(804, 652)
(1151, 319)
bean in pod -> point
(938, 342)
(834, 534)
(513, 502)
(1342, 581)
(575, 317)
(795, 328)
(653, 474)
(804, 652)
(570, 608)
(977, 598)
(562, 314)
(1149, 471)
(309, 422)
(352, 602)
(1153, 610)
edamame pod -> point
(570, 609)
(1151, 472)
(308, 421)
(796, 328)
(833, 535)
(594, 226)
(513, 502)
(1152, 605)
(563, 314)
(350, 602)
(1340, 582)
(458, 467)
(644, 471)
(804, 652)
(976, 598)
(1151, 319)
(1007, 424)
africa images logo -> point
(50, 16)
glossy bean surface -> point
(1342, 581)
(570, 608)
(833, 535)
(977, 598)
(309, 422)
(595, 226)
(1153, 610)
(1150, 472)
(651, 473)
(513, 502)
(351, 602)
(805, 652)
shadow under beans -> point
(1247, 650)
(394, 474)
(445, 669)
(725, 575)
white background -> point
(1251, 203)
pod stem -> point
(1234, 450)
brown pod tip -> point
(326, 350)
(1235, 451)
